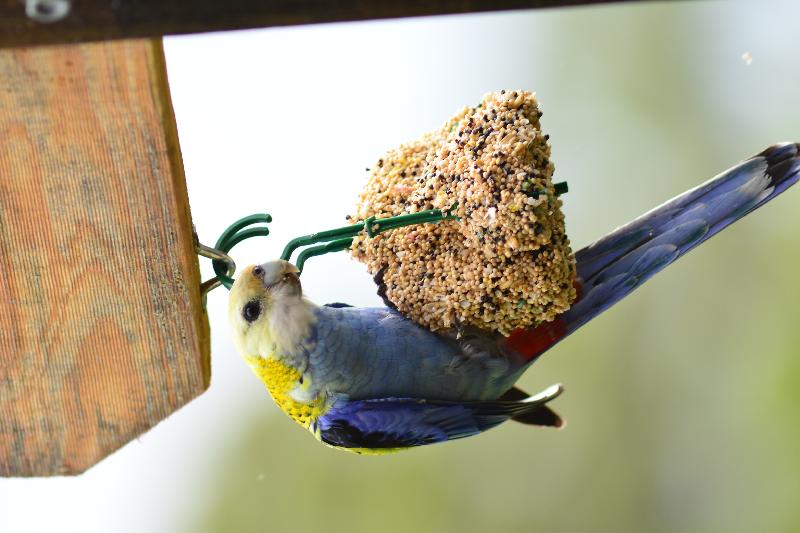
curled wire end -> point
(233, 235)
(224, 266)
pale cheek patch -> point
(290, 323)
(247, 336)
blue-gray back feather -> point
(376, 352)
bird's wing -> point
(377, 353)
(615, 265)
(388, 423)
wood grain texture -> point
(91, 20)
(102, 330)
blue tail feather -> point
(611, 268)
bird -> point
(371, 381)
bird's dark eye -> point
(258, 271)
(251, 310)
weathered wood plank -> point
(102, 331)
(91, 20)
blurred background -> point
(683, 402)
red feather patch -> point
(530, 343)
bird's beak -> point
(277, 272)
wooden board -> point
(91, 20)
(102, 330)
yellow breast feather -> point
(281, 379)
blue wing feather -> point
(405, 422)
(395, 423)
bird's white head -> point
(267, 311)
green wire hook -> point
(335, 240)
(343, 237)
(233, 235)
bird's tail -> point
(618, 263)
